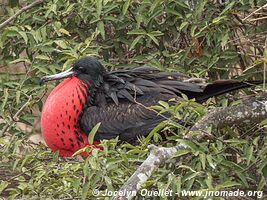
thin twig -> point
(260, 8)
(249, 54)
(251, 36)
(257, 19)
(7, 126)
(23, 9)
(24, 172)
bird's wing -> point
(132, 83)
(115, 103)
(128, 120)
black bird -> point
(117, 99)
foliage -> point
(200, 38)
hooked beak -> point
(58, 76)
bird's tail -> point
(224, 86)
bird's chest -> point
(60, 116)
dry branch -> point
(157, 156)
(252, 110)
(23, 9)
(255, 11)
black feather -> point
(114, 97)
(126, 94)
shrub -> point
(199, 38)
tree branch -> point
(23, 9)
(252, 110)
(157, 156)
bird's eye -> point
(81, 69)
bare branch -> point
(258, 19)
(251, 110)
(25, 8)
(255, 11)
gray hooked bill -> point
(58, 76)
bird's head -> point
(86, 69)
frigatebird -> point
(118, 99)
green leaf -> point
(3, 185)
(202, 158)
(61, 43)
(64, 31)
(156, 33)
(187, 167)
(192, 176)
(136, 40)
(101, 28)
(164, 104)
(98, 7)
(92, 133)
(263, 123)
(262, 152)
(24, 36)
(155, 5)
(236, 141)
(217, 20)
(42, 57)
(126, 6)
(227, 184)
(84, 149)
(232, 165)
(190, 144)
(155, 40)
(93, 163)
(261, 184)
(249, 153)
(181, 4)
(208, 181)
(6, 95)
(242, 177)
(210, 161)
(155, 130)
(18, 93)
(185, 97)
(157, 107)
(182, 152)
(183, 25)
(42, 68)
(228, 7)
(54, 8)
(85, 190)
(262, 166)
